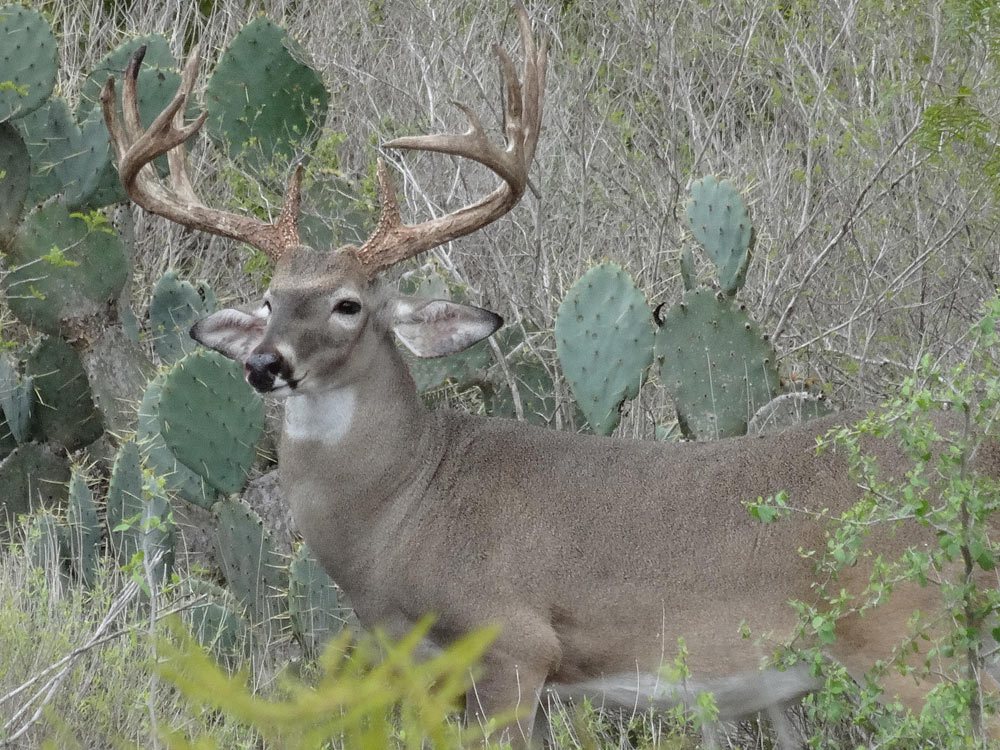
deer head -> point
(324, 311)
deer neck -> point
(346, 452)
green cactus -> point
(28, 61)
(688, 276)
(89, 178)
(64, 270)
(254, 571)
(717, 366)
(7, 443)
(125, 504)
(84, 530)
(31, 477)
(263, 101)
(211, 419)
(721, 223)
(214, 621)
(15, 176)
(604, 337)
(65, 411)
(314, 608)
(157, 532)
(177, 477)
(17, 396)
(175, 307)
(48, 132)
(158, 55)
(531, 378)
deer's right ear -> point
(231, 332)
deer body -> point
(594, 555)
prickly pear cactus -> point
(65, 412)
(157, 532)
(604, 337)
(47, 132)
(215, 624)
(177, 477)
(125, 505)
(175, 307)
(721, 223)
(15, 176)
(263, 100)
(64, 271)
(17, 396)
(253, 569)
(31, 477)
(158, 55)
(314, 608)
(28, 61)
(83, 529)
(717, 366)
(211, 419)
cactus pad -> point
(211, 419)
(314, 608)
(215, 624)
(28, 61)
(175, 307)
(65, 411)
(176, 476)
(124, 505)
(47, 133)
(716, 365)
(64, 271)
(158, 55)
(253, 569)
(604, 337)
(157, 532)
(15, 176)
(263, 100)
(17, 397)
(84, 530)
(721, 223)
(31, 477)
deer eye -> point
(347, 307)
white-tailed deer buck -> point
(594, 555)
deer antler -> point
(177, 201)
(392, 241)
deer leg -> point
(509, 692)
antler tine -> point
(178, 201)
(392, 241)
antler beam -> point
(177, 200)
(393, 241)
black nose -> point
(262, 368)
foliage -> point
(942, 492)
(360, 685)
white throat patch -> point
(325, 417)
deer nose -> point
(262, 368)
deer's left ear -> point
(433, 328)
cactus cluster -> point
(70, 398)
(715, 364)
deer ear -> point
(438, 327)
(231, 332)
